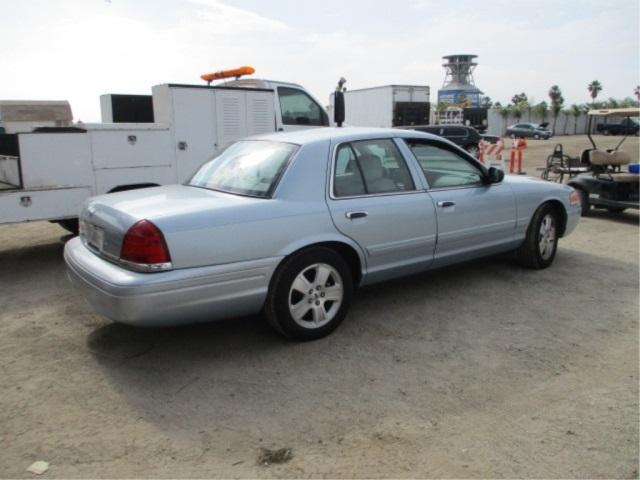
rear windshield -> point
(249, 167)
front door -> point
(474, 218)
(375, 202)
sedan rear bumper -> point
(169, 298)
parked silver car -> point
(291, 223)
(532, 130)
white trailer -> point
(46, 174)
(387, 106)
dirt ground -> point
(537, 151)
(481, 370)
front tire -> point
(541, 243)
(310, 294)
(536, 137)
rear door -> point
(474, 218)
(374, 200)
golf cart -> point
(605, 184)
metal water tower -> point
(459, 87)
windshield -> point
(246, 168)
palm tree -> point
(487, 103)
(636, 92)
(629, 102)
(541, 109)
(519, 98)
(555, 94)
(595, 88)
(441, 108)
(576, 111)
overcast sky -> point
(79, 49)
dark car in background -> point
(627, 126)
(463, 136)
(532, 130)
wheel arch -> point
(346, 248)
(559, 207)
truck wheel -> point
(310, 294)
(606, 132)
(539, 247)
(615, 210)
(70, 225)
(584, 202)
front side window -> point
(444, 168)
(370, 167)
(247, 168)
(298, 108)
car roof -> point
(341, 134)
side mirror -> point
(495, 175)
(338, 108)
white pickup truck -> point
(47, 173)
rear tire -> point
(584, 202)
(541, 243)
(310, 294)
(606, 132)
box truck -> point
(387, 106)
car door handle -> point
(446, 203)
(354, 215)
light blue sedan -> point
(291, 223)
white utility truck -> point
(47, 173)
(387, 106)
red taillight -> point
(144, 244)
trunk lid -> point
(105, 219)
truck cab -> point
(295, 109)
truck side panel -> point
(194, 128)
(57, 203)
(55, 160)
(370, 107)
(130, 148)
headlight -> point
(574, 198)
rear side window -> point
(370, 167)
(298, 108)
(250, 168)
